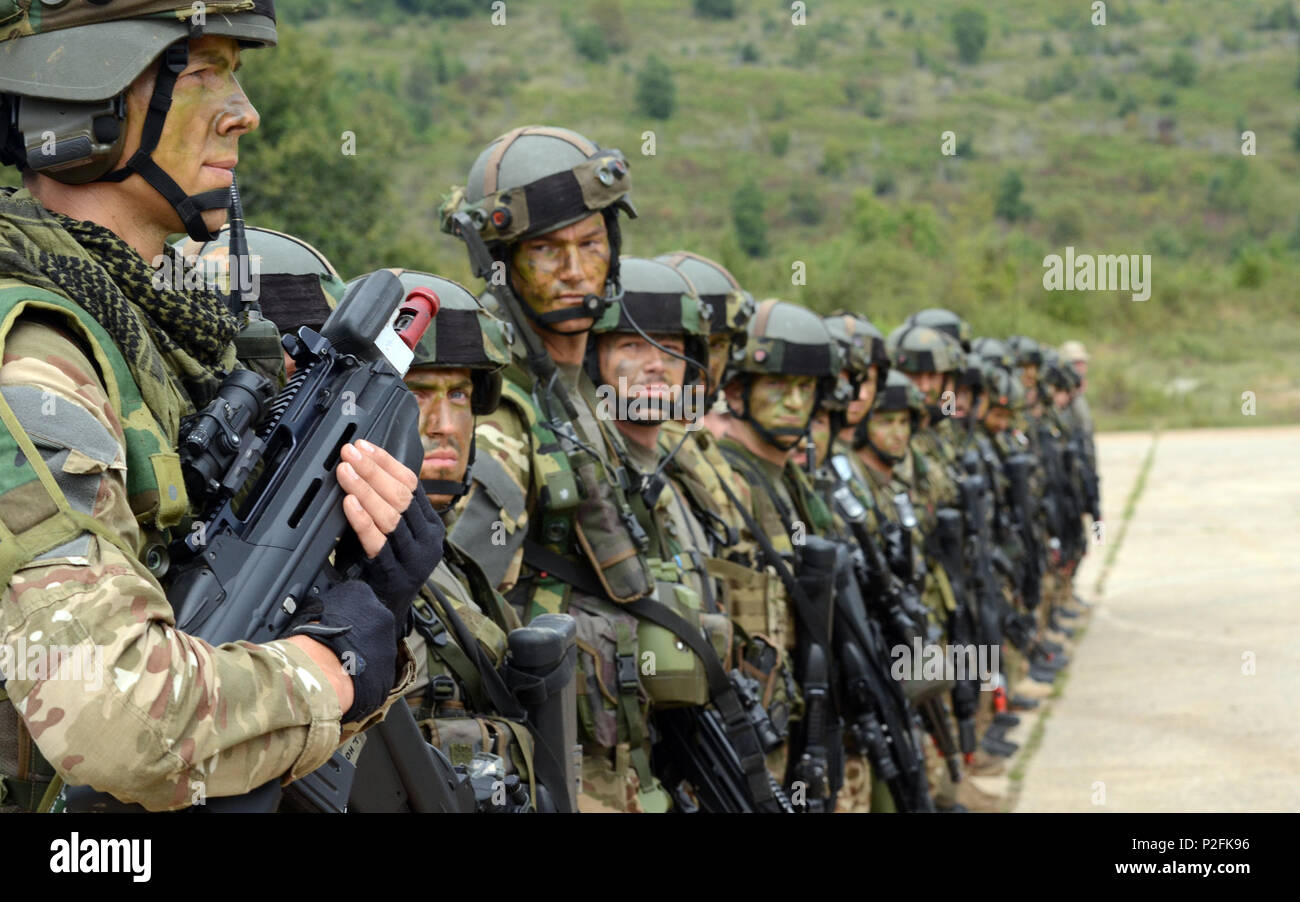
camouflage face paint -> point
(866, 397)
(199, 142)
(557, 270)
(719, 354)
(782, 402)
(644, 379)
(446, 422)
(890, 430)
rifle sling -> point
(723, 695)
(499, 693)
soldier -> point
(789, 364)
(751, 591)
(649, 360)
(1076, 356)
(1028, 680)
(729, 308)
(540, 220)
(860, 526)
(147, 115)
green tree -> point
(970, 31)
(1007, 201)
(589, 41)
(715, 9)
(656, 95)
(747, 209)
(780, 142)
(1182, 68)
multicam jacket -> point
(164, 718)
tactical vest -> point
(576, 505)
(580, 504)
(154, 485)
(454, 709)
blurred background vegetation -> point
(821, 143)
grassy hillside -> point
(1126, 138)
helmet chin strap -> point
(772, 436)
(891, 459)
(593, 307)
(189, 208)
(456, 490)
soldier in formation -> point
(752, 523)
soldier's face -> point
(641, 376)
(890, 430)
(446, 423)
(1081, 367)
(557, 270)
(961, 400)
(998, 419)
(1060, 398)
(930, 384)
(821, 435)
(782, 402)
(859, 406)
(198, 147)
(719, 353)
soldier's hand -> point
(379, 489)
(409, 538)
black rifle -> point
(947, 549)
(1018, 468)
(696, 749)
(979, 556)
(936, 720)
(247, 566)
(877, 714)
(811, 770)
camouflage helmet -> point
(784, 339)
(1003, 389)
(994, 351)
(898, 393)
(970, 371)
(1027, 351)
(462, 336)
(861, 342)
(1073, 352)
(922, 349)
(656, 300)
(295, 284)
(1056, 372)
(945, 321)
(531, 181)
(66, 68)
(729, 307)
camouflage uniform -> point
(171, 711)
(91, 484)
(569, 474)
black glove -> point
(359, 629)
(407, 559)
